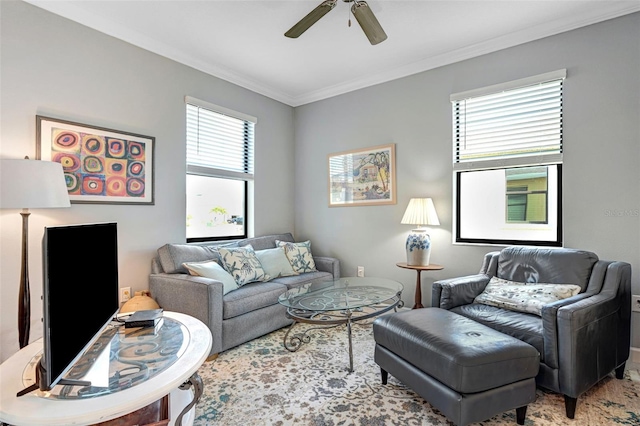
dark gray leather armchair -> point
(581, 339)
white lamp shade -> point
(420, 211)
(27, 184)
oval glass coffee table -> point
(340, 302)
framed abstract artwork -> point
(363, 177)
(100, 165)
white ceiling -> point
(243, 41)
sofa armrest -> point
(616, 287)
(198, 297)
(593, 332)
(448, 294)
(328, 264)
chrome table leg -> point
(350, 343)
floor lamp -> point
(30, 184)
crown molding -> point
(467, 52)
(75, 12)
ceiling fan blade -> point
(367, 20)
(311, 18)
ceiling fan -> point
(360, 9)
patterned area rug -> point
(261, 383)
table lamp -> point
(30, 184)
(420, 211)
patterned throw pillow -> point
(242, 264)
(299, 255)
(211, 269)
(524, 297)
(275, 262)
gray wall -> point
(601, 158)
(55, 67)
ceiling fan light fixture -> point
(368, 22)
(312, 17)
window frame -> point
(227, 237)
(247, 175)
(507, 242)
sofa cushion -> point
(265, 242)
(172, 256)
(524, 297)
(526, 327)
(250, 297)
(309, 277)
(275, 262)
(212, 269)
(242, 264)
(299, 255)
(553, 266)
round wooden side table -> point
(419, 269)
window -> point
(219, 169)
(527, 190)
(507, 143)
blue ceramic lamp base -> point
(418, 247)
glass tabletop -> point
(341, 294)
(134, 355)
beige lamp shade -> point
(420, 211)
(32, 184)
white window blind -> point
(509, 125)
(218, 142)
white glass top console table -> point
(144, 366)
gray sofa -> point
(580, 339)
(241, 315)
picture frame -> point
(101, 166)
(362, 177)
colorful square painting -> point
(363, 177)
(100, 165)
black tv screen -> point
(80, 292)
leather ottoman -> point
(466, 370)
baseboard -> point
(635, 355)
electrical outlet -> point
(125, 294)
(361, 271)
(635, 303)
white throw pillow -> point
(242, 264)
(299, 255)
(211, 269)
(275, 262)
(524, 297)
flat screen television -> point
(80, 293)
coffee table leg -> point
(418, 301)
(350, 343)
(296, 341)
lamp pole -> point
(24, 296)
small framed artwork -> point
(100, 165)
(363, 177)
